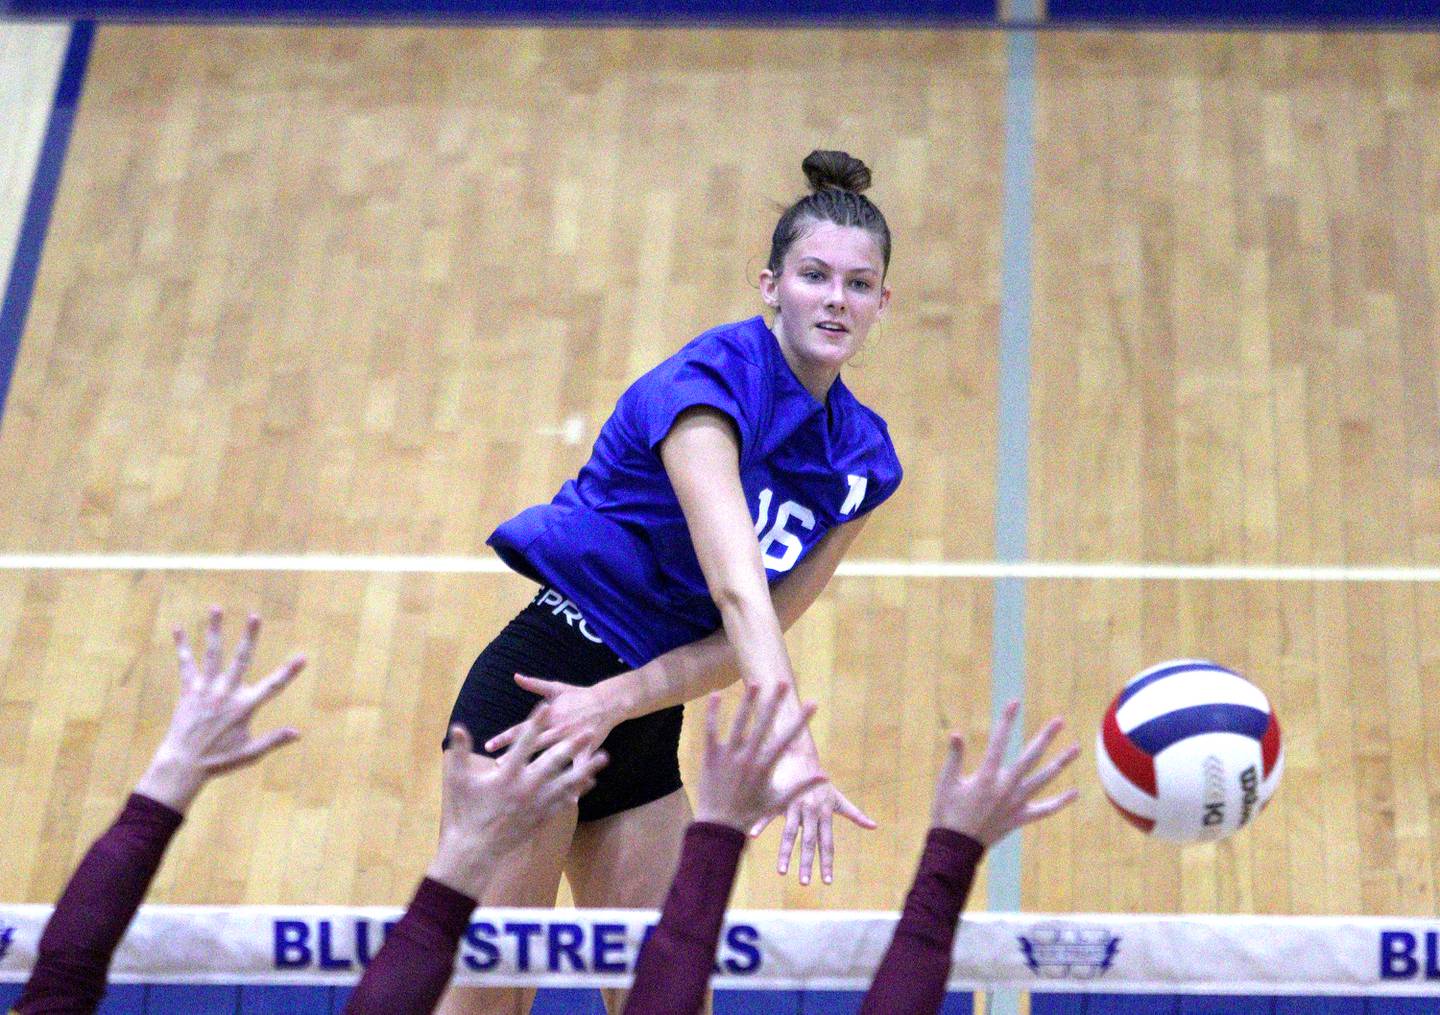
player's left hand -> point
(810, 818)
(209, 731)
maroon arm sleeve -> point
(916, 966)
(96, 908)
(674, 967)
(416, 962)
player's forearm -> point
(674, 967)
(96, 908)
(680, 675)
(418, 957)
(912, 976)
(710, 664)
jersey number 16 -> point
(788, 543)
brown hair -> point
(836, 182)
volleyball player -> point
(718, 500)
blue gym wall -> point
(1150, 13)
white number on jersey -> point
(778, 536)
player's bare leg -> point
(626, 861)
(530, 876)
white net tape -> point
(783, 950)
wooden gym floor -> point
(369, 291)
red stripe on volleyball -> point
(1270, 744)
(1133, 763)
(1145, 825)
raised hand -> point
(209, 731)
(570, 711)
(490, 806)
(738, 786)
(810, 819)
(997, 798)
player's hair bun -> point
(835, 171)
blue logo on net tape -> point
(1059, 951)
(7, 938)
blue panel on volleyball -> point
(192, 999)
(123, 999)
(887, 11)
(1169, 729)
(1290, 12)
(267, 1000)
(9, 994)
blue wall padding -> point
(846, 11)
(193, 998)
(1402, 1005)
(564, 1002)
(1318, 12)
(1208, 1004)
(286, 1000)
(124, 999)
(757, 1002)
(1320, 1006)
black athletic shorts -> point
(549, 639)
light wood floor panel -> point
(1235, 298)
(1347, 667)
(375, 290)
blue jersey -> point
(614, 538)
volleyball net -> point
(798, 951)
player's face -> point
(829, 291)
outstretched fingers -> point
(853, 814)
(1044, 808)
(189, 673)
(213, 623)
(954, 766)
(1036, 748)
(255, 749)
(781, 741)
(244, 652)
(787, 838)
(827, 848)
(742, 715)
(712, 718)
(768, 708)
(1037, 780)
(999, 738)
(276, 682)
(524, 744)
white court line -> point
(345, 563)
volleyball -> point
(1189, 751)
